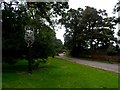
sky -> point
(108, 5)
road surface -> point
(101, 65)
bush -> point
(37, 62)
(111, 50)
(10, 60)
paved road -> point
(105, 66)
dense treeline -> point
(89, 30)
(38, 15)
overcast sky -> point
(98, 4)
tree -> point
(87, 29)
(111, 50)
(44, 44)
(16, 16)
(118, 33)
(12, 26)
(117, 7)
(117, 20)
(59, 46)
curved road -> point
(105, 66)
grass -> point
(57, 73)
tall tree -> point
(87, 29)
(16, 16)
(117, 9)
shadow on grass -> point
(14, 68)
(22, 66)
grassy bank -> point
(57, 73)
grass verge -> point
(57, 73)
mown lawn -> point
(57, 73)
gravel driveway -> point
(101, 65)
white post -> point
(29, 38)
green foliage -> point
(87, 29)
(117, 7)
(37, 62)
(118, 33)
(111, 50)
(59, 46)
(38, 15)
(12, 34)
(119, 41)
(44, 44)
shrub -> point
(111, 50)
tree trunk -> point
(30, 62)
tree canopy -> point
(16, 16)
(87, 29)
(117, 9)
